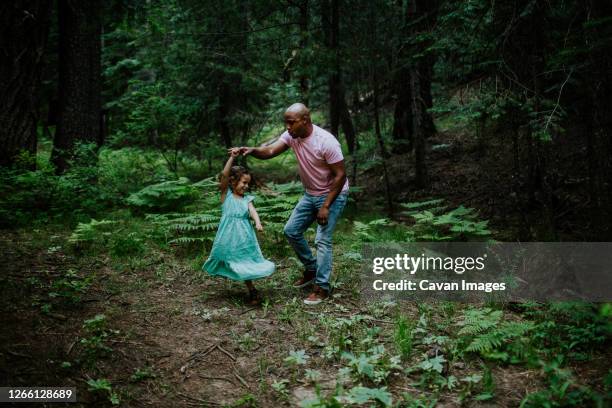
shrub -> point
(165, 196)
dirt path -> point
(194, 340)
(158, 325)
(164, 336)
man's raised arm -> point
(266, 152)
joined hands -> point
(239, 151)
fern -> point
(190, 240)
(187, 228)
(164, 196)
(367, 232)
(434, 223)
(483, 332)
(90, 232)
(476, 321)
(422, 204)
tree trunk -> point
(331, 28)
(420, 162)
(381, 145)
(425, 12)
(80, 102)
(347, 122)
(24, 35)
(304, 87)
(426, 73)
(600, 121)
(402, 116)
(224, 111)
(339, 111)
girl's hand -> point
(259, 227)
(234, 151)
(245, 151)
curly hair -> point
(236, 172)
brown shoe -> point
(317, 296)
(305, 280)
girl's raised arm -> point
(225, 175)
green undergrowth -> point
(349, 351)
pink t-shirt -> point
(313, 154)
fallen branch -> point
(242, 381)
(230, 355)
(205, 377)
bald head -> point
(298, 109)
(297, 121)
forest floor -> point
(152, 331)
(171, 337)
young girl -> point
(235, 253)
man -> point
(321, 169)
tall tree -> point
(424, 14)
(79, 78)
(419, 21)
(25, 26)
(338, 108)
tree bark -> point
(331, 28)
(402, 116)
(426, 14)
(338, 108)
(304, 86)
(224, 112)
(25, 27)
(599, 120)
(80, 101)
(420, 162)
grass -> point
(179, 337)
(374, 333)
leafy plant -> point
(403, 337)
(97, 333)
(104, 386)
(70, 287)
(374, 365)
(433, 364)
(483, 332)
(434, 223)
(297, 358)
(366, 231)
(361, 395)
(92, 232)
(312, 376)
(190, 228)
(142, 374)
(281, 387)
(168, 195)
(562, 391)
(127, 245)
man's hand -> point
(322, 215)
(245, 151)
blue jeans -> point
(303, 215)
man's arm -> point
(339, 179)
(266, 152)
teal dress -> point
(235, 252)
